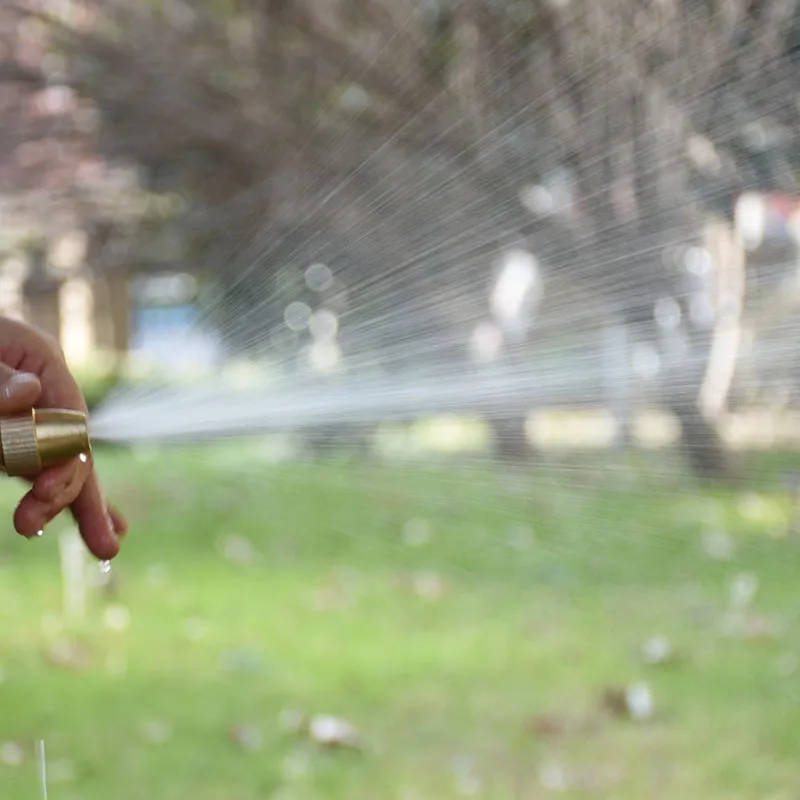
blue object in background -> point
(170, 337)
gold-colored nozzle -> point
(41, 438)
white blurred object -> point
(718, 544)
(332, 731)
(486, 342)
(517, 288)
(11, 754)
(639, 699)
(657, 650)
(743, 590)
(751, 219)
(73, 574)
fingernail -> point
(18, 384)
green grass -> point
(324, 619)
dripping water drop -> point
(105, 567)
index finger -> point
(94, 521)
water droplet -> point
(40, 533)
(105, 567)
(296, 316)
(83, 458)
(319, 278)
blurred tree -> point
(403, 141)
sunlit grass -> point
(441, 609)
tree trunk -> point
(728, 257)
(511, 443)
(618, 381)
(338, 439)
(701, 443)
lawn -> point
(479, 628)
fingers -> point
(95, 522)
(53, 491)
(50, 485)
(31, 516)
(75, 485)
(19, 391)
(120, 523)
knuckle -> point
(53, 346)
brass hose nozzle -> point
(41, 438)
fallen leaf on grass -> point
(242, 661)
(237, 550)
(548, 725)
(156, 731)
(322, 729)
(416, 532)
(658, 650)
(333, 732)
(557, 778)
(750, 627)
(554, 726)
(247, 737)
(633, 702)
(743, 590)
(11, 754)
(718, 545)
(428, 586)
(554, 778)
(338, 593)
(68, 655)
(759, 629)
(292, 720)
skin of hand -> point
(34, 373)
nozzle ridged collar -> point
(20, 449)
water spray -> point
(41, 438)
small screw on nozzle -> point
(41, 438)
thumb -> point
(18, 390)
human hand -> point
(33, 373)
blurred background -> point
(444, 355)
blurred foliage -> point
(99, 378)
(394, 141)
